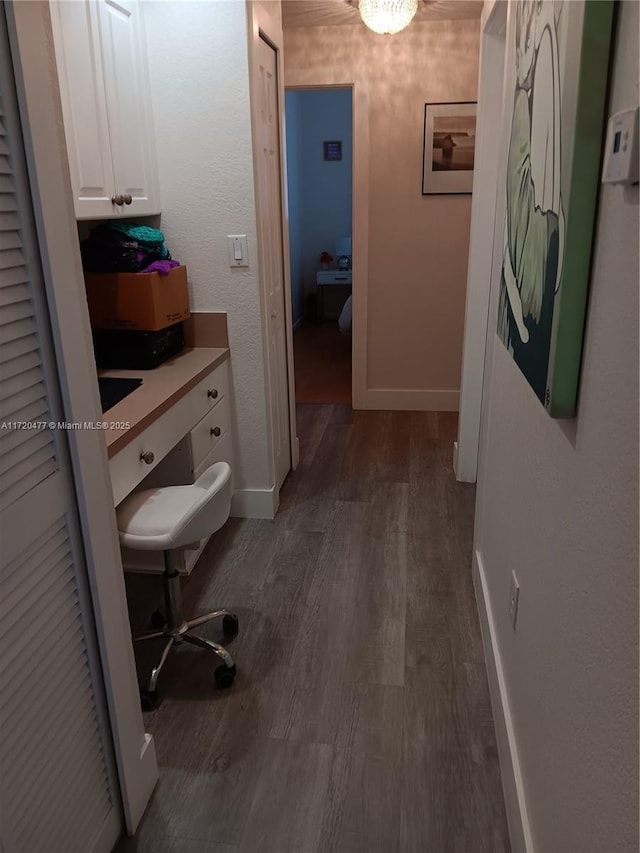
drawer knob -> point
(147, 457)
(128, 198)
(117, 199)
(215, 431)
(213, 393)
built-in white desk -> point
(180, 412)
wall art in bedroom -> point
(557, 62)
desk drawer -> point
(128, 469)
(209, 392)
(211, 429)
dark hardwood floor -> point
(360, 719)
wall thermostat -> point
(621, 154)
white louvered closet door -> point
(57, 791)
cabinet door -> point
(79, 62)
(129, 105)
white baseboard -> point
(455, 459)
(255, 503)
(411, 400)
(515, 803)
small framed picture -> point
(332, 150)
(448, 148)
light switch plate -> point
(238, 250)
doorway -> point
(319, 125)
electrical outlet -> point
(514, 595)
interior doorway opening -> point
(319, 124)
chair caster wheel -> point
(149, 699)
(224, 676)
(230, 625)
(158, 620)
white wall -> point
(200, 88)
(558, 502)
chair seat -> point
(175, 516)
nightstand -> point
(326, 278)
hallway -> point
(360, 718)
(322, 359)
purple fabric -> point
(163, 267)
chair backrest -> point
(210, 512)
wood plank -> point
(286, 814)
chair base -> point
(177, 631)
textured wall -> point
(200, 88)
(418, 246)
(558, 502)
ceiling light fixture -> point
(387, 16)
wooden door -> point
(271, 255)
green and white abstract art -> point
(557, 66)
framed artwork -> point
(448, 148)
(332, 150)
(557, 66)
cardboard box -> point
(142, 301)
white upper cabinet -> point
(106, 103)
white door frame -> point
(350, 79)
(39, 99)
(483, 206)
(260, 24)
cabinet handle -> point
(128, 198)
(215, 431)
(147, 457)
(117, 199)
(213, 393)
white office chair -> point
(169, 519)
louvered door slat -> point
(34, 411)
(13, 275)
(12, 257)
(17, 347)
(18, 603)
(56, 789)
(11, 294)
(20, 364)
(15, 379)
(8, 221)
(8, 202)
(33, 672)
(24, 476)
(9, 239)
(14, 331)
(74, 719)
(16, 311)
(30, 570)
(24, 397)
(83, 774)
(61, 825)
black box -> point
(132, 350)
